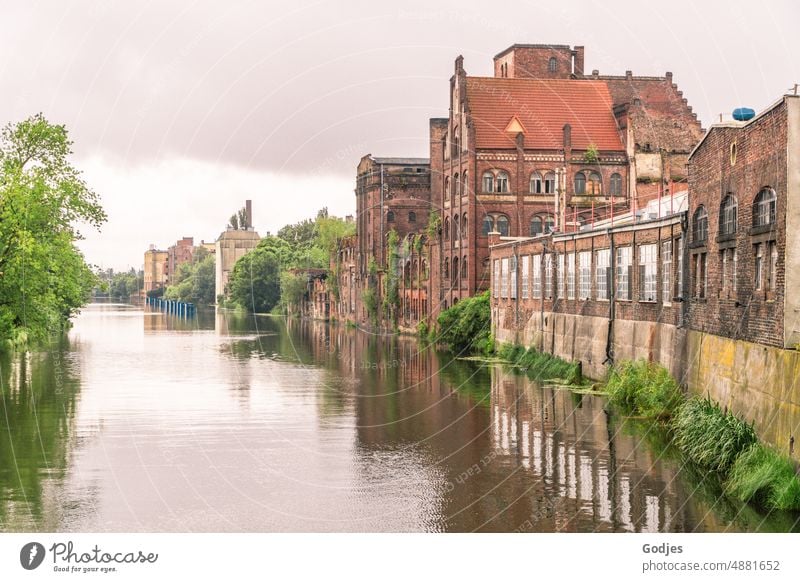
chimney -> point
(249, 212)
(567, 137)
(577, 66)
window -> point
(412, 216)
(601, 278)
(390, 216)
(648, 272)
(595, 185)
(526, 267)
(773, 266)
(623, 275)
(759, 266)
(447, 188)
(487, 225)
(561, 277)
(549, 224)
(501, 224)
(464, 269)
(464, 190)
(464, 227)
(585, 274)
(537, 276)
(447, 228)
(548, 276)
(456, 233)
(764, 207)
(552, 65)
(496, 279)
(513, 267)
(456, 185)
(571, 276)
(679, 266)
(615, 185)
(666, 272)
(488, 182)
(446, 269)
(733, 154)
(504, 278)
(550, 183)
(536, 225)
(726, 269)
(728, 216)
(536, 183)
(700, 275)
(734, 275)
(700, 225)
(502, 182)
(455, 270)
(580, 183)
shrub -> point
(540, 366)
(422, 329)
(710, 437)
(644, 388)
(764, 476)
(466, 325)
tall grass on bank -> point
(709, 436)
(765, 477)
(644, 388)
(540, 366)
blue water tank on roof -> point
(743, 114)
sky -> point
(179, 111)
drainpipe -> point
(383, 257)
(541, 298)
(612, 295)
(517, 295)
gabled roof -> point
(543, 107)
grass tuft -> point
(644, 388)
(540, 366)
(765, 477)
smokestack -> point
(248, 205)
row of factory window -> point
(496, 222)
(575, 275)
(764, 208)
(390, 216)
(585, 183)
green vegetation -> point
(762, 475)
(466, 326)
(195, 281)
(541, 366)
(118, 286)
(391, 299)
(710, 437)
(592, 155)
(644, 388)
(263, 280)
(44, 279)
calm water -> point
(138, 421)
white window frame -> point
(622, 277)
(666, 272)
(504, 278)
(526, 274)
(570, 275)
(561, 276)
(585, 273)
(549, 286)
(648, 273)
(513, 268)
(537, 277)
(602, 264)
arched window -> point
(700, 225)
(456, 186)
(407, 273)
(455, 269)
(412, 216)
(390, 216)
(502, 182)
(488, 182)
(552, 65)
(537, 226)
(615, 185)
(464, 267)
(464, 226)
(447, 187)
(549, 224)
(424, 270)
(456, 233)
(595, 185)
(501, 224)
(549, 183)
(447, 228)
(764, 207)
(580, 183)
(446, 268)
(536, 183)
(728, 215)
(488, 225)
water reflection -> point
(143, 421)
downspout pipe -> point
(612, 295)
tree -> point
(254, 283)
(195, 281)
(44, 278)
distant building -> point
(179, 253)
(231, 246)
(155, 269)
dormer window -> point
(552, 65)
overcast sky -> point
(181, 110)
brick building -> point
(179, 253)
(542, 147)
(155, 269)
(744, 248)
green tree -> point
(44, 278)
(254, 283)
(195, 281)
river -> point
(137, 421)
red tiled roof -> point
(542, 106)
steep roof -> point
(542, 107)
